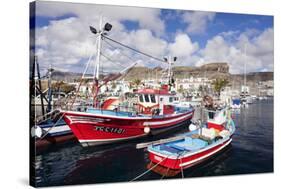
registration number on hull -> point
(109, 129)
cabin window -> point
(161, 99)
(171, 99)
(146, 97)
(211, 115)
(141, 98)
(152, 98)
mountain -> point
(212, 71)
(67, 76)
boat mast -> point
(40, 85)
(244, 89)
(170, 61)
(49, 107)
(102, 31)
(98, 49)
(169, 69)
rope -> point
(150, 169)
(47, 132)
(40, 118)
(182, 175)
(174, 165)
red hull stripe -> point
(113, 139)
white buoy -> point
(36, 131)
(192, 127)
(146, 130)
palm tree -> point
(219, 85)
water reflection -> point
(251, 152)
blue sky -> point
(190, 35)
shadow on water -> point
(251, 151)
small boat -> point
(171, 157)
(51, 131)
(48, 128)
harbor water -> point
(251, 152)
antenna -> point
(245, 51)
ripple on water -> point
(251, 152)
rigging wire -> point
(111, 45)
(109, 59)
(138, 51)
(87, 65)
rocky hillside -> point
(252, 80)
(255, 76)
(212, 70)
(66, 76)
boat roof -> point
(154, 91)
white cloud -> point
(146, 42)
(197, 21)
(258, 55)
(147, 18)
(66, 43)
(183, 46)
(216, 50)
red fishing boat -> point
(147, 111)
(170, 157)
(152, 114)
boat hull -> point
(95, 129)
(54, 140)
(187, 161)
(56, 133)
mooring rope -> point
(169, 168)
(47, 132)
(41, 118)
(150, 169)
(182, 175)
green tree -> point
(136, 83)
(113, 85)
(219, 85)
(181, 90)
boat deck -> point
(186, 144)
(177, 110)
